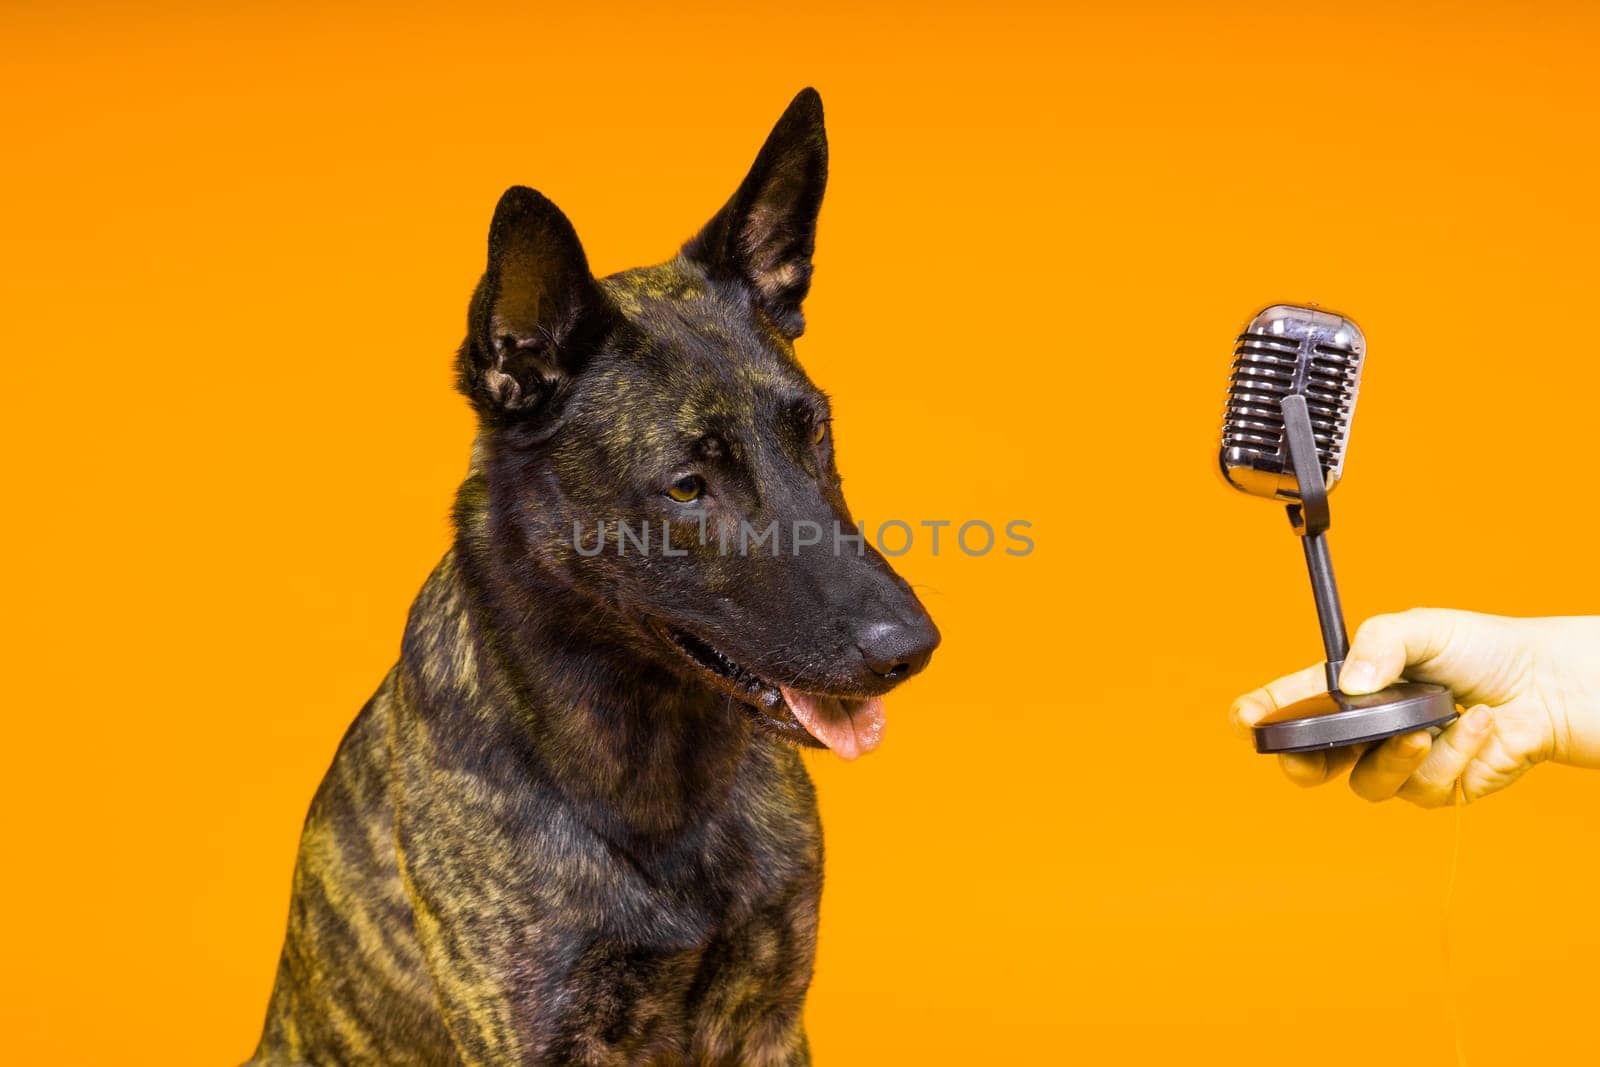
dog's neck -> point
(511, 657)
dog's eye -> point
(687, 489)
(821, 433)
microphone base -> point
(1334, 720)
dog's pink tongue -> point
(849, 728)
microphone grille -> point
(1288, 350)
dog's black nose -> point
(896, 650)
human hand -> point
(1531, 687)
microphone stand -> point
(1311, 519)
(1335, 719)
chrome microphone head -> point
(1285, 351)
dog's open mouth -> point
(847, 725)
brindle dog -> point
(573, 825)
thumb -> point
(1386, 645)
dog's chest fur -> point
(478, 886)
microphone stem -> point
(1335, 640)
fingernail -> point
(1358, 676)
(1236, 716)
(1477, 719)
(1413, 743)
(1303, 769)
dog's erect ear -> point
(765, 235)
(534, 311)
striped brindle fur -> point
(555, 834)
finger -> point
(1257, 705)
(1433, 782)
(1386, 644)
(1381, 772)
(1313, 768)
(1497, 764)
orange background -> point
(238, 248)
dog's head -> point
(650, 441)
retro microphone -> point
(1291, 397)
